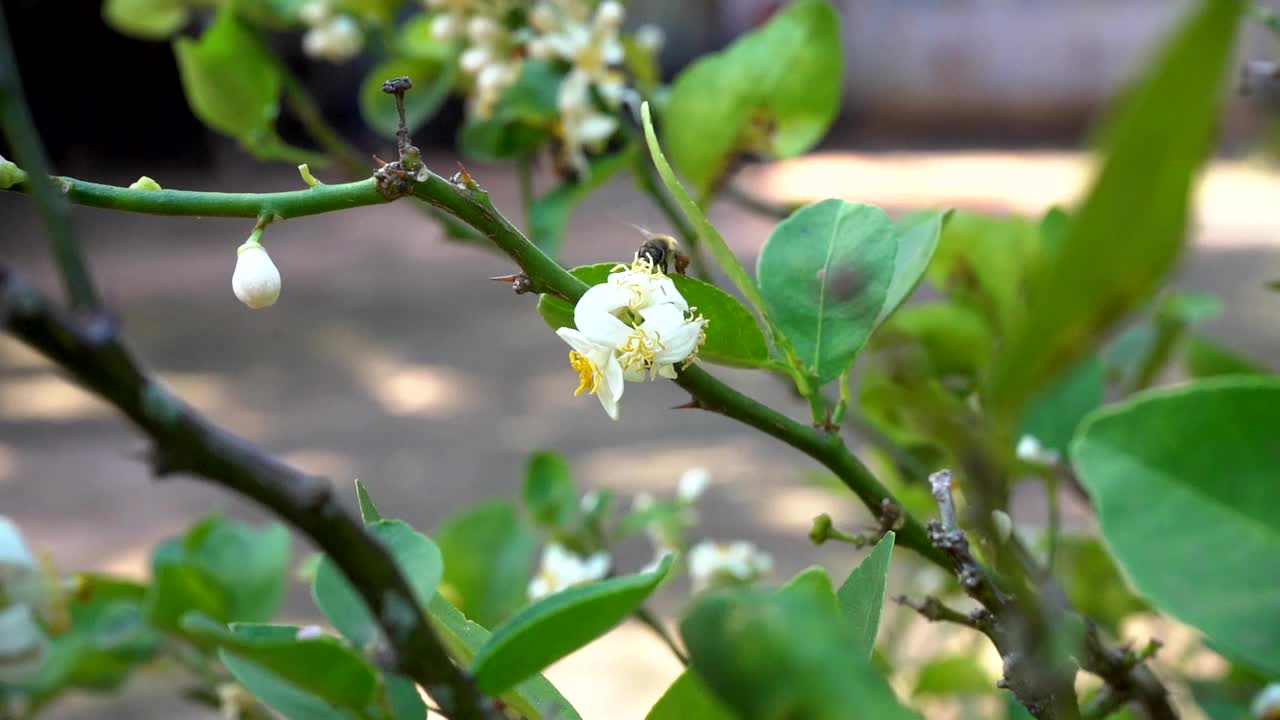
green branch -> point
(20, 129)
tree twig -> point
(15, 118)
(89, 349)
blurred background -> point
(391, 358)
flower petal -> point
(611, 386)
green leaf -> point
(432, 80)
(534, 698)
(1093, 582)
(559, 624)
(418, 559)
(825, 272)
(146, 19)
(688, 699)
(733, 336)
(1132, 226)
(231, 81)
(1184, 483)
(549, 215)
(708, 236)
(224, 569)
(783, 655)
(488, 560)
(1052, 414)
(403, 697)
(980, 262)
(917, 237)
(952, 675)
(548, 491)
(774, 91)
(368, 511)
(1206, 358)
(293, 676)
(861, 596)
(814, 584)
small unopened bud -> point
(610, 14)
(474, 59)
(305, 171)
(482, 30)
(1266, 704)
(446, 27)
(256, 281)
(314, 12)
(692, 484)
(821, 530)
(1003, 524)
(650, 37)
(10, 174)
(144, 183)
(543, 17)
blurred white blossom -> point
(330, 36)
(561, 569)
(1266, 704)
(693, 483)
(23, 645)
(712, 563)
(1030, 450)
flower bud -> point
(1003, 525)
(543, 17)
(650, 37)
(256, 281)
(314, 12)
(692, 484)
(482, 30)
(144, 183)
(1266, 704)
(445, 27)
(820, 531)
(609, 15)
(10, 174)
(474, 59)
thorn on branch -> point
(520, 283)
(693, 404)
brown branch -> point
(88, 348)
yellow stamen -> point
(587, 378)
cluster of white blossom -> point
(635, 326)
(562, 568)
(23, 643)
(332, 36)
(716, 563)
(581, 33)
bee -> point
(661, 249)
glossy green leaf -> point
(534, 698)
(432, 80)
(1206, 358)
(952, 675)
(549, 214)
(689, 699)
(146, 19)
(224, 569)
(774, 91)
(368, 511)
(861, 596)
(416, 556)
(825, 272)
(1132, 225)
(559, 624)
(403, 698)
(980, 262)
(1185, 484)
(296, 677)
(814, 584)
(549, 496)
(733, 336)
(488, 560)
(783, 655)
(231, 81)
(917, 237)
(521, 119)
(1052, 414)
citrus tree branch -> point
(88, 348)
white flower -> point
(256, 281)
(650, 37)
(609, 15)
(315, 12)
(483, 30)
(446, 26)
(20, 578)
(692, 484)
(1266, 704)
(739, 561)
(562, 569)
(474, 59)
(337, 40)
(599, 371)
(23, 645)
(1029, 450)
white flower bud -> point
(650, 37)
(474, 59)
(692, 484)
(1030, 450)
(713, 563)
(315, 12)
(337, 40)
(256, 281)
(483, 30)
(492, 78)
(1266, 704)
(446, 26)
(23, 645)
(596, 128)
(609, 15)
(543, 17)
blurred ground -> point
(391, 358)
